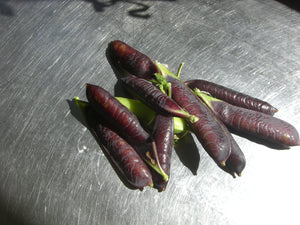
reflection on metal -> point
(50, 49)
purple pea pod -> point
(153, 97)
(129, 61)
(253, 123)
(231, 96)
(122, 156)
(236, 162)
(163, 135)
(125, 123)
(207, 128)
(117, 114)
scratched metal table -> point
(52, 170)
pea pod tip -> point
(223, 163)
(151, 184)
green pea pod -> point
(143, 112)
(147, 115)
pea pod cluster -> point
(138, 133)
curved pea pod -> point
(125, 123)
(118, 115)
(208, 129)
(163, 135)
(231, 96)
(122, 155)
(236, 162)
(153, 97)
(129, 61)
(253, 123)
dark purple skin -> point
(208, 128)
(118, 115)
(128, 60)
(150, 95)
(231, 96)
(236, 162)
(123, 122)
(255, 123)
(163, 135)
(120, 153)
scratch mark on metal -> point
(56, 60)
(78, 219)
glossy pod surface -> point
(125, 123)
(236, 162)
(163, 135)
(151, 96)
(120, 153)
(256, 123)
(208, 129)
(121, 118)
(231, 96)
(130, 61)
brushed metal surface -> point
(53, 172)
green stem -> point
(164, 71)
(206, 98)
(159, 171)
(179, 69)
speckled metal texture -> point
(53, 172)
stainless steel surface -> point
(51, 169)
